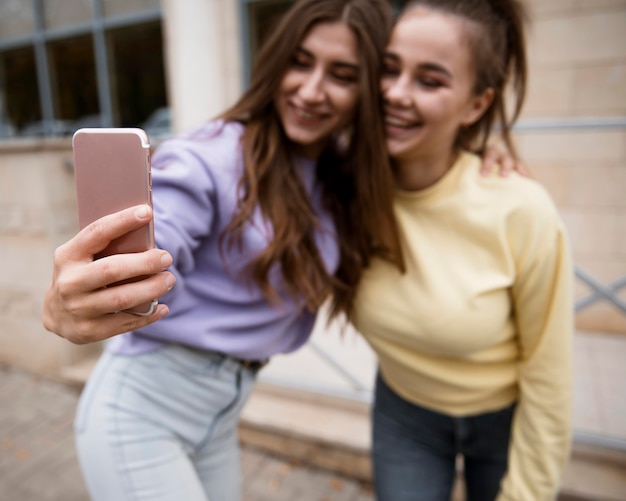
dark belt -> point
(254, 365)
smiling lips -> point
(394, 123)
(306, 117)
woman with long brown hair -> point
(259, 215)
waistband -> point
(224, 358)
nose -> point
(396, 90)
(312, 88)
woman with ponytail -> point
(474, 339)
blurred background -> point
(169, 65)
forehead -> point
(334, 41)
(425, 35)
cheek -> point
(438, 109)
(288, 82)
(431, 103)
(346, 101)
(385, 84)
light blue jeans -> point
(162, 426)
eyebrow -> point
(335, 64)
(437, 68)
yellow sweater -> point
(483, 316)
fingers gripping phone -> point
(112, 172)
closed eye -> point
(344, 73)
(430, 83)
(301, 61)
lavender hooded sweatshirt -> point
(194, 184)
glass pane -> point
(16, 18)
(263, 16)
(19, 96)
(119, 7)
(138, 75)
(74, 84)
(60, 13)
(398, 4)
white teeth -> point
(396, 121)
(304, 114)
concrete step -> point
(324, 431)
(334, 434)
(595, 473)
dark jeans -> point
(414, 450)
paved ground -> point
(38, 462)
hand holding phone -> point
(112, 172)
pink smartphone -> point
(112, 172)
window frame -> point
(97, 28)
(246, 30)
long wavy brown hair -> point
(356, 177)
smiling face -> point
(319, 92)
(427, 85)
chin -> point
(396, 151)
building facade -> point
(168, 65)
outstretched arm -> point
(79, 307)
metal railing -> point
(607, 292)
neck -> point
(420, 173)
(310, 151)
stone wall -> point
(578, 72)
(577, 51)
(37, 213)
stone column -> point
(202, 55)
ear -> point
(478, 105)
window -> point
(19, 96)
(259, 16)
(66, 64)
(137, 66)
(263, 16)
(73, 83)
